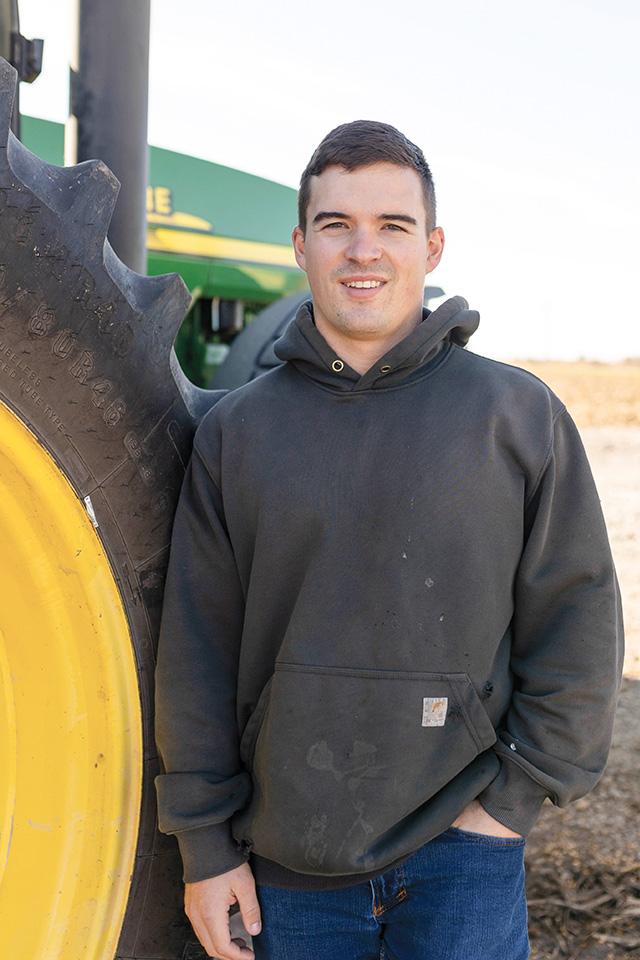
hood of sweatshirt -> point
(303, 345)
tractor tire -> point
(96, 427)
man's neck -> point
(361, 355)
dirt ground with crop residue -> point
(584, 862)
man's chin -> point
(361, 324)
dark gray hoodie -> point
(388, 594)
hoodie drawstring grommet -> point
(385, 369)
(337, 366)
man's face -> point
(366, 251)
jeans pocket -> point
(470, 836)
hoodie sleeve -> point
(196, 725)
(567, 645)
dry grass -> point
(596, 394)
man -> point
(391, 622)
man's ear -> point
(435, 246)
(297, 238)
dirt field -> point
(584, 861)
(597, 394)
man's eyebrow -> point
(403, 217)
(330, 215)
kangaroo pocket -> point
(339, 757)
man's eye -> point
(333, 226)
(394, 226)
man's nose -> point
(363, 247)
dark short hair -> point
(361, 144)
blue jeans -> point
(460, 897)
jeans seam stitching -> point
(383, 907)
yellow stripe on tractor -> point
(220, 248)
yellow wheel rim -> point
(70, 727)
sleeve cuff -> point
(209, 851)
(513, 798)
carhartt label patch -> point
(434, 711)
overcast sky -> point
(527, 113)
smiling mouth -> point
(363, 284)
